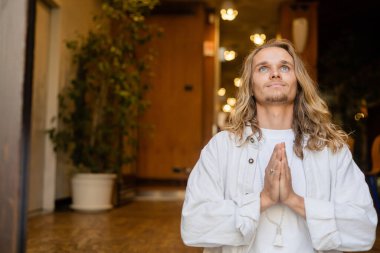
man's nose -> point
(274, 74)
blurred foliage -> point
(99, 109)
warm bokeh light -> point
(237, 82)
(231, 101)
(227, 108)
(221, 92)
(359, 116)
(258, 39)
(229, 55)
(228, 14)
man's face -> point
(274, 80)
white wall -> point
(67, 19)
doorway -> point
(42, 163)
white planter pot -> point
(92, 192)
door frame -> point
(50, 160)
(17, 56)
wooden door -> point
(175, 113)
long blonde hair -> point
(311, 115)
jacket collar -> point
(248, 132)
(248, 136)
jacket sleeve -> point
(208, 219)
(347, 222)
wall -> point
(57, 22)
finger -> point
(286, 169)
(271, 171)
(278, 150)
(285, 155)
(272, 162)
(288, 172)
(285, 174)
(278, 169)
(284, 161)
(281, 170)
(282, 150)
(273, 155)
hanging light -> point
(231, 101)
(226, 55)
(227, 108)
(229, 55)
(300, 33)
(228, 11)
(237, 82)
(221, 92)
(359, 116)
(258, 38)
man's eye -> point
(284, 68)
(263, 69)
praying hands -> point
(278, 183)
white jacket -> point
(221, 208)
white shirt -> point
(294, 234)
(221, 211)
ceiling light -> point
(227, 108)
(229, 55)
(221, 92)
(228, 11)
(359, 116)
(258, 38)
(300, 33)
(231, 101)
(237, 82)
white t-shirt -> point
(295, 235)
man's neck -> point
(277, 117)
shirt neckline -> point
(277, 134)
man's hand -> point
(270, 194)
(287, 195)
(278, 183)
(286, 188)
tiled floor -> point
(140, 226)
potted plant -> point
(99, 109)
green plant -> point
(99, 109)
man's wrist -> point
(265, 202)
(291, 201)
(296, 203)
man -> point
(280, 178)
